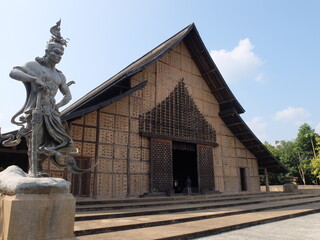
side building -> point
(167, 116)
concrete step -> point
(97, 205)
(191, 229)
(189, 206)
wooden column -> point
(267, 180)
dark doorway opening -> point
(184, 158)
(243, 179)
(81, 182)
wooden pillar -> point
(267, 180)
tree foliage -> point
(300, 156)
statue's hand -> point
(40, 84)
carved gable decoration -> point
(179, 119)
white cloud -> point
(239, 63)
(259, 127)
(294, 115)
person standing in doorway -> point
(189, 183)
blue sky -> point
(268, 51)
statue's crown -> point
(56, 35)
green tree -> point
(285, 152)
(305, 148)
(315, 162)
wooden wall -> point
(111, 134)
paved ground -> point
(306, 227)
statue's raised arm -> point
(39, 118)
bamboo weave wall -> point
(111, 134)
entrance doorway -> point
(184, 159)
(243, 181)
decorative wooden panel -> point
(106, 136)
(205, 167)
(106, 121)
(121, 185)
(161, 160)
(122, 123)
(105, 151)
(178, 118)
(121, 138)
(135, 166)
(120, 166)
(105, 165)
(135, 140)
(135, 153)
(77, 132)
(89, 149)
(145, 167)
(104, 184)
(90, 119)
(121, 152)
(135, 184)
(90, 134)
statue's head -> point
(56, 44)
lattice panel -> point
(121, 138)
(219, 184)
(145, 167)
(218, 171)
(105, 165)
(104, 185)
(123, 106)
(89, 149)
(121, 185)
(135, 107)
(90, 134)
(77, 132)
(106, 121)
(134, 125)
(205, 159)
(145, 154)
(120, 166)
(135, 140)
(149, 92)
(122, 123)
(161, 164)
(135, 153)
(145, 184)
(135, 167)
(106, 136)
(178, 117)
(145, 142)
(135, 184)
(91, 119)
(121, 152)
(105, 151)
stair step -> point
(100, 226)
(103, 205)
(144, 211)
(210, 226)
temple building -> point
(166, 116)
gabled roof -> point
(230, 109)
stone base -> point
(290, 187)
(37, 217)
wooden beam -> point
(102, 104)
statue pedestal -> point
(37, 217)
(35, 208)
